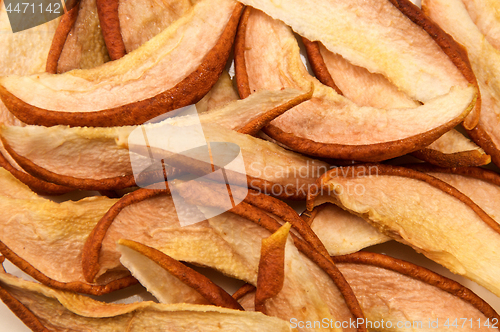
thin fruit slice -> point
(480, 185)
(150, 217)
(313, 288)
(142, 20)
(271, 267)
(211, 292)
(342, 232)
(453, 17)
(79, 45)
(42, 309)
(133, 89)
(221, 94)
(329, 125)
(45, 239)
(392, 291)
(433, 217)
(370, 89)
(485, 14)
(105, 161)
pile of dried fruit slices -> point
(385, 137)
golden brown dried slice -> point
(133, 89)
(453, 17)
(44, 309)
(271, 267)
(371, 89)
(210, 291)
(142, 20)
(45, 239)
(78, 43)
(392, 292)
(150, 217)
(433, 217)
(342, 232)
(330, 125)
(105, 161)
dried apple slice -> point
(149, 216)
(330, 125)
(42, 309)
(133, 89)
(342, 232)
(392, 291)
(105, 160)
(484, 13)
(221, 94)
(480, 185)
(433, 217)
(142, 20)
(453, 17)
(370, 89)
(47, 238)
(213, 293)
(78, 43)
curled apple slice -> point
(392, 291)
(135, 88)
(47, 238)
(371, 89)
(105, 161)
(78, 42)
(329, 125)
(434, 218)
(453, 17)
(342, 232)
(42, 309)
(211, 292)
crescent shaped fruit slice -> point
(396, 291)
(150, 217)
(342, 232)
(434, 218)
(453, 17)
(105, 159)
(44, 309)
(369, 89)
(213, 293)
(78, 42)
(330, 125)
(156, 78)
(46, 239)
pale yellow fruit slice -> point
(433, 217)
(221, 94)
(486, 15)
(42, 308)
(342, 232)
(453, 17)
(329, 125)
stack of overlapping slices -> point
(389, 84)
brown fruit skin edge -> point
(75, 286)
(271, 273)
(472, 172)
(107, 10)
(93, 245)
(189, 91)
(62, 31)
(421, 274)
(367, 153)
(360, 171)
(37, 185)
(458, 159)
(203, 285)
